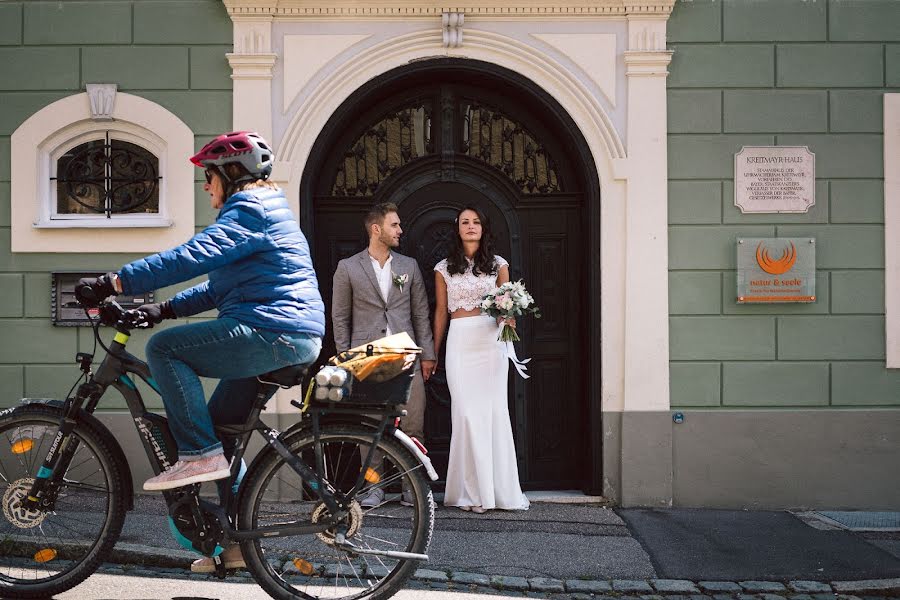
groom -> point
(378, 293)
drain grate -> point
(855, 520)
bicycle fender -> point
(103, 431)
(412, 447)
(366, 421)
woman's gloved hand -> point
(157, 312)
(90, 291)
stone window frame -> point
(892, 229)
(50, 217)
(61, 125)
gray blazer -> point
(359, 314)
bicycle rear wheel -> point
(43, 553)
(312, 566)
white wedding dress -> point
(482, 470)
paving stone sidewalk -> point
(578, 589)
(588, 551)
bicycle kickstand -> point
(220, 566)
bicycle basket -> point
(378, 373)
(391, 391)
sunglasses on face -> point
(208, 174)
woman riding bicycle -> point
(262, 282)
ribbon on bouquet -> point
(518, 363)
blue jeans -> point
(223, 349)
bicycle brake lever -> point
(136, 319)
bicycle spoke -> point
(3, 472)
(372, 537)
(41, 547)
(282, 480)
(83, 486)
(313, 566)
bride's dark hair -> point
(484, 256)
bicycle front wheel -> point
(313, 567)
(48, 551)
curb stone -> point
(631, 585)
(431, 575)
(759, 587)
(809, 587)
(588, 586)
(470, 578)
(719, 586)
(674, 586)
(867, 585)
(504, 582)
(545, 584)
(149, 556)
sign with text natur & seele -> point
(772, 270)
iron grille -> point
(491, 136)
(107, 177)
(397, 139)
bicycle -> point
(302, 531)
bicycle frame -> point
(114, 372)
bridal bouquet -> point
(508, 301)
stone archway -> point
(441, 134)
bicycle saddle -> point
(286, 376)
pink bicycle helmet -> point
(246, 148)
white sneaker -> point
(186, 472)
(374, 498)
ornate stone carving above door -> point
(425, 8)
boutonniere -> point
(400, 280)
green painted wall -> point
(744, 72)
(170, 52)
(779, 72)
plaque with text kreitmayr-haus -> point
(774, 179)
(773, 270)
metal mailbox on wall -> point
(65, 310)
(775, 270)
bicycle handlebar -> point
(113, 315)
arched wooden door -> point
(444, 140)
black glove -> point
(90, 291)
(156, 313)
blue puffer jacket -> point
(260, 270)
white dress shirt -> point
(383, 276)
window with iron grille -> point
(105, 177)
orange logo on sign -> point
(776, 267)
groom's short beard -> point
(388, 240)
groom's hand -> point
(428, 367)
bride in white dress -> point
(482, 472)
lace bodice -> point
(466, 291)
